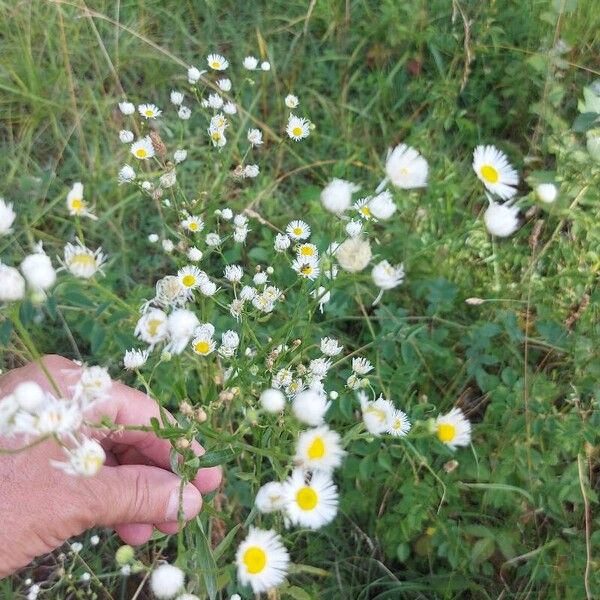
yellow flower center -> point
(378, 413)
(202, 347)
(365, 210)
(446, 432)
(307, 498)
(141, 153)
(317, 449)
(77, 204)
(297, 231)
(92, 462)
(153, 325)
(307, 251)
(193, 226)
(188, 280)
(297, 131)
(216, 135)
(149, 113)
(306, 270)
(255, 559)
(490, 174)
(84, 260)
(397, 424)
(215, 64)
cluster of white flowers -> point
(31, 412)
(36, 274)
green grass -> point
(442, 76)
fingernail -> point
(189, 504)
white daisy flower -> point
(260, 278)
(307, 251)
(361, 366)
(149, 111)
(85, 459)
(453, 429)
(310, 407)
(307, 268)
(29, 396)
(255, 137)
(208, 288)
(291, 101)
(76, 205)
(217, 137)
(354, 228)
(229, 108)
(166, 581)
(311, 504)
(233, 273)
(262, 560)
(194, 254)
(399, 425)
(319, 449)
(272, 400)
(282, 242)
(330, 346)
(353, 254)
(152, 327)
(180, 155)
(12, 284)
(282, 378)
(57, 416)
(143, 148)
(81, 261)
(297, 128)
(336, 196)
(126, 136)
(203, 344)
(406, 168)
(134, 359)
(127, 108)
(182, 324)
(38, 271)
(546, 192)
(194, 75)
(224, 84)
(298, 230)
(250, 63)
(270, 497)
(251, 171)
(215, 101)
(382, 206)
(217, 62)
(377, 416)
(493, 169)
(265, 65)
(319, 367)
(7, 217)
(126, 174)
(193, 224)
(213, 239)
(386, 276)
(501, 220)
(363, 208)
(184, 113)
(191, 277)
(176, 97)
(247, 292)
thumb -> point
(141, 494)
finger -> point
(134, 534)
(168, 528)
(138, 494)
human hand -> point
(135, 490)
